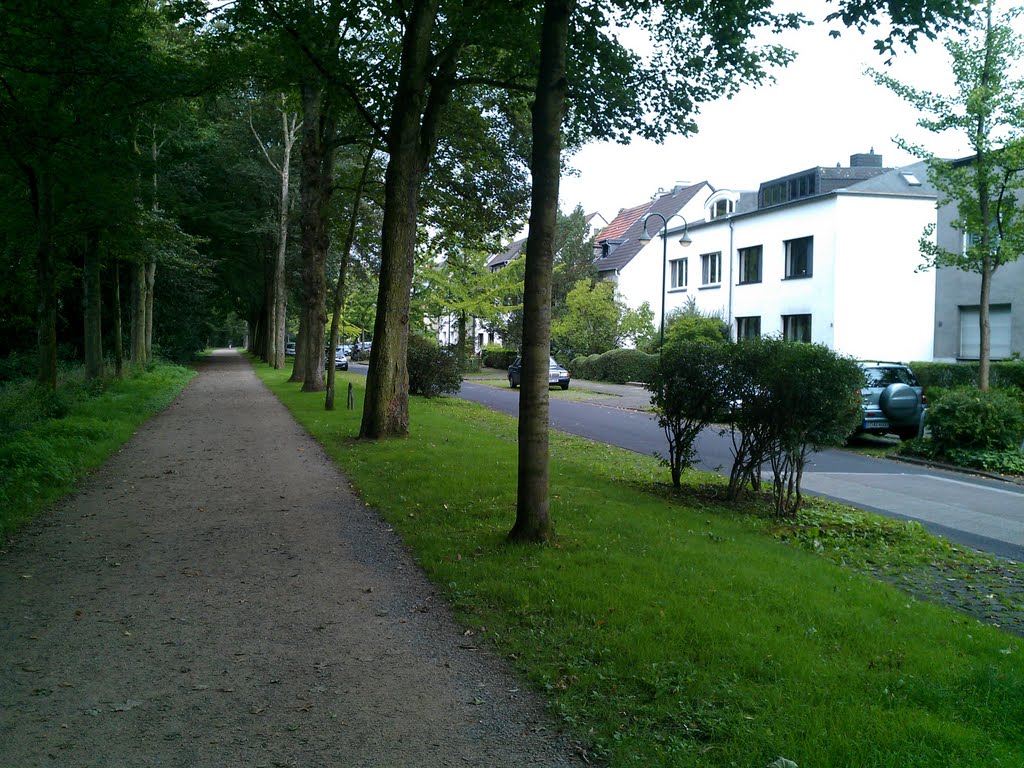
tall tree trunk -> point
(416, 109)
(46, 277)
(985, 326)
(138, 315)
(317, 180)
(280, 289)
(91, 287)
(150, 284)
(118, 336)
(299, 363)
(339, 288)
(277, 317)
(533, 519)
(462, 340)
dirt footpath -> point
(216, 596)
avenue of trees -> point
(171, 163)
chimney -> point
(869, 160)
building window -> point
(711, 268)
(750, 265)
(721, 208)
(773, 195)
(999, 332)
(679, 274)
(799, 257)
(796, 328)
(748, 328)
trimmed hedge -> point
(1003, 374)
(498, 357)
(624, 365)
(618, 366)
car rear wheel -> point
(511, 382)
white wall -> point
(885, 309)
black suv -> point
(892, 399)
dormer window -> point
(722, 208)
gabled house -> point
(634, 266)
(500, 260)
(828, 255)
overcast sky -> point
(821, 110)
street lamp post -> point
(683, 241)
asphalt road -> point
(975, 511)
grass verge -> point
(669, 630)
(51, 439)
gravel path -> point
(216, 595)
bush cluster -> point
(1003, 374)
(968, 419)
(618, 366)
(433, 370)
(498, 357)
(780, 399)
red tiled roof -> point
(622, 222)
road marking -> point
(985, 488)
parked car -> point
(557, 375)
(892, 399)
(289, 349)
(340, 360)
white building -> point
(827, 255)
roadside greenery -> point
(688, 393)
(1004, 374)
(667, 628)
(781, 400)
(970, 419)
(619, 366)
(595, 320)
(52, 438)
(975, 429)
(433, 370)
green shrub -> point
(688, 392)
(1009, 462)
(790, 399)
(624, 365)
(969, 419)
(577, 366)
(17, 365)
(1004, 374)
(585, 367)
(432, 370)
(1008, 374)
(498, 357)
(946, 375)
(688, 328)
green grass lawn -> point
(668, 629)
(49, 441)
